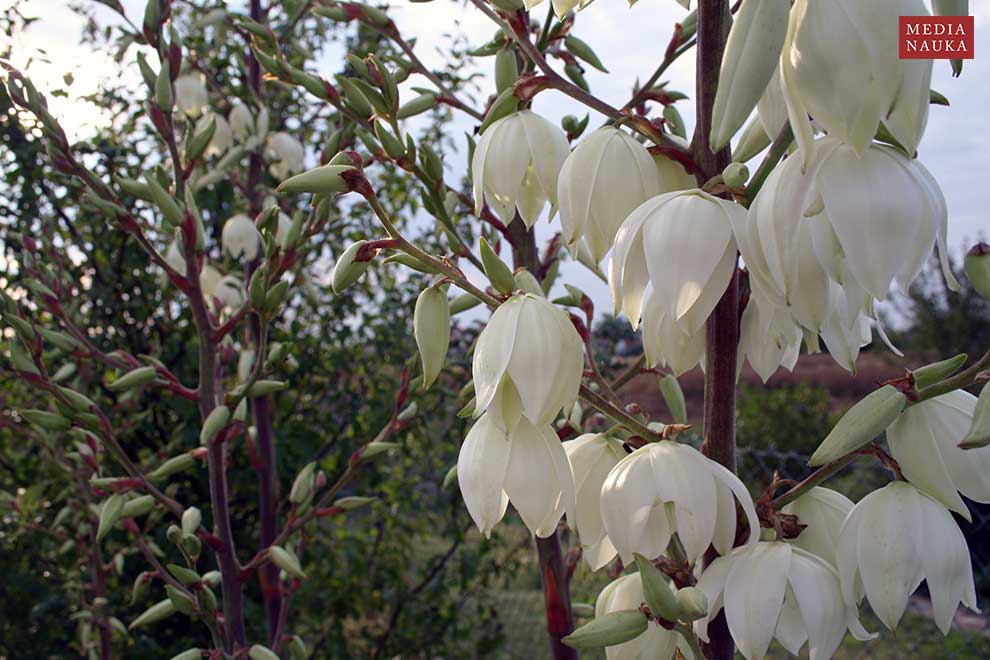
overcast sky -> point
(629, 41)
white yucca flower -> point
(592, 457)
(665, 343)
(626, 593)
(223, 135)
(527, 363)
(924, 441)
(823, 511)
(209, 280)
(527, 466)
(776, 590)
(665, 487)
(840, 64)
(772, 107)
(242, 122)
(240, 238)
(658, 245)
(173, 257)
(190, 94)
(607, 175)
(286, 154)
(768, 338)
(230, 291)
(894, 538)
(516, 165)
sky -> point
(630, 41)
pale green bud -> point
(752, 141)
(498, 273)
(583, 51)
(526, 281)
(735, 175)
(78, 401)
(132, 379)
(191, 520)
(347, 271)
(190, 654)
(214, 423)
(608, 630)
(174, 465)
(979, 430)
(656, 590)
(182, 601)
(583, 610)
(462, 303)
(418, 105)
(157, 612)
(325, 179)
(137, 507)
(48, 421)
(303, 485)
(190, 544)
(59, 339)
(296, 648)
(112, 509)
(673, 396)
(286, 561)
(977, 265)
(450, 477)
(860, 425)
(265, 387)
(170, 209)
(183, 574)
(259, 652)
(431, 323)
(692, 602)
(353, 502)
(937, 371)
(506, 69)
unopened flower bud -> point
(431, 322)
(286, 561)
(353, 502)
(302, 487)
(189, 654)
(608, 630)
(139, 506)
(860, 425)
(977, 265)
(692, 602)
(109, 515)
(325, 179)
(48, 421)
(173, 534)
(191, 519)
(656, 590)
(190, 544)
(979, 430)
(347, 271)
(214, 422)
(132, 379)
(182, 601)
(498, 273)
(673, 396)
(174, 465)
(157, 612)
(735, 175)
(937, 371)
(259, 652)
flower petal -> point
(481, 467)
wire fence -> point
(519, 607)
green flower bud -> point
(418, 105)
(431, 322)
(214, 423)
(325, 179)
(212, 578)
(450, 477)
(752, 141)
(132, 379)
(174, 465)
(374, 449)
(392, 145)
(78, 401)
(169, 208)
(163, 88)
(347, 271)
(656, 590)
(191, 520)
(583, 51)
(208, 600)
(509, 6)
(173, 534)
(860, 425)
(137, 507)
(583, 610)
(259, 652)
(609, 630)
(674, 121)
(182, 601)
(296, 648)
(468, 409)
(979, 430)
(431, 162)
(266, 387)
(183, 574)
(353, 502)
(506, 69)
(735, 175)
(276, 296)
(303, 485)
(498, 273)
(201, 140)
(190, 654)
(977, 265)
(286, 561)
(673, 396)
(45, 420)
(503, 106)
(526, 281)
(160, 610)
(190, 544)
(142, 585)
(59, 339)
(937, 371)
(110, 513)
(462, 303)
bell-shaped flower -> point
(209, 280)
(823, 511)
(190, 94)
(592, 457)
(772, 107)
(840, 65)
(776, 590)
(657, 643)
(665, 487)
(230, 291)
(527, 363)
(516, 165)
(658, 244)
(223, 135)
(527, 466)
(768, 338)
(174, 258)
(924, 441)
(894, 538)
(240, 238)
(243, 122)
(665, 343)
(607, 176)
(286, 154)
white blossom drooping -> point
(894, 538)
(626, 593)
(774, 590)
(666, 487)
(240, 238)
(527, 363)
(516, 164)
(607, 175)
(924, 441)
(527, 467)
(592, 457)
